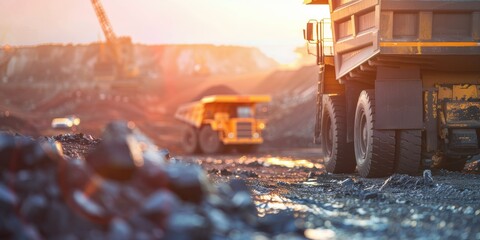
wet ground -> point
(438, 205)
(293, 196)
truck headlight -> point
(256, 135)
(231, 135)
(261, 126)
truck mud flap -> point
(399, 99)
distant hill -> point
(291, 116)
(215, 90)
(74, 63)
(46, 82)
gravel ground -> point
(438, 205)
(290, 193)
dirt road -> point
(443, 206)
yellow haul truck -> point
(221, 121)
(399, 84)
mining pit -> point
(116, 180)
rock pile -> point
(125, 188)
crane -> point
(6, 53)
(121, 49)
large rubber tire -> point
(374, 149)
(339, 155)
(190, 143)
(248, 148)
(209, 140)
(409, 152)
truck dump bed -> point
(195, 113)
(370, 33)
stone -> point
(119, 155)
(88, 206)
(189, 183)
(221, 222)
(34, 208)
(73, 174)
(119, 230)
(427, 177)
(347, 182)
(7, 197)
(225, 172)
(369, 195)
(152, 175)
(165, 153)
(275, 224)
(160, 205)
(123, 151)
(188, 223)
(19, 152)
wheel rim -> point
(327, 138)
(363, 134)
(361, 138)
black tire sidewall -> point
(209, 140)
(329, 159)
(190, 132)
(338, 155)
(363, 105)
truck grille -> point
(244, 130)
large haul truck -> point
(219, 122)
(399, 84)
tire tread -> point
(382, 159)
(344, 159)
(409, 152)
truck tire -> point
(209, 140)
(409, 152)
(249, 148)
(374, 149)
(339, 155)
(190, 140)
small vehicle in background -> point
(69, 122)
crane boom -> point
(122, 68)
(110, 36)
(104, 21)
(6, 53)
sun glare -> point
(247, 23)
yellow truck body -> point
(399, 83)
(218, 121)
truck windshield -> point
(244, 112)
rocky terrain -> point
(122, 186)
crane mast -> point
(111, 38)
(104, 22)
(6, 53)
(119, 68)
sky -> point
(274, 26)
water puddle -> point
(289, 162)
